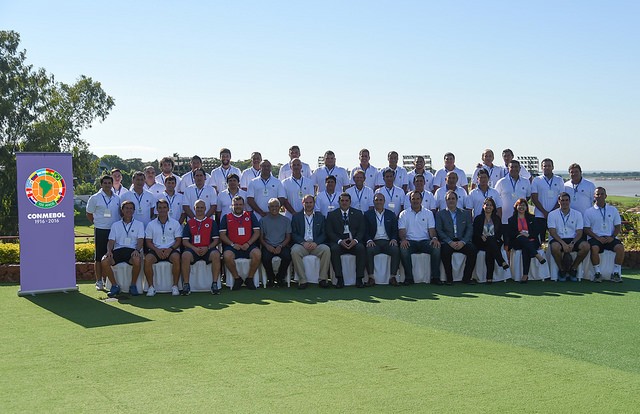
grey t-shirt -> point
(275, 228)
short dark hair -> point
(105, 177)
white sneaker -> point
(151, 291)
(175, 291)
(99, 285)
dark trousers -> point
(541, 224)
(469, 250)
(493, 254)
(421, 246)
(383, 246)
(285, 261)
(529, 250)
(358, 250)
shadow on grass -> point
(83, 310)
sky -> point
(553, 79)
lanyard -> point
(575, 187)
(329, 172)
(390, 193)
(330, 199)
(162, 225)
(309, 222)
(565, 218)
(513, 184)
(255, 172)
(170, 199)
(265, 183)
(139, 199)
(198, 225)
(549, 182)
(603, 213)
(198, 194)
(225, 175)
(127, 230)
(298, 183)
(359, 195)
(105, 200)
(380, 218)
(117, 191)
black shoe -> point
(408, 282)
(270, 283)
(359, 283)
(469, 282)
(282, 282)
(393, 282)
(237, 284)
(214, 288)
(302, 286)
(340, 283)
(449, 282)
(324, 284)
(249, 283)
(436, 282)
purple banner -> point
(45, 219)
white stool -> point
(162, 277)
(381, 269)
(122, 274)
(275, 262)
(537, 271)
(480, 271)
(458, 260)
(200, 277)
(553, 266)
(311, 268)
(421, 266)
(348, 270)
(242, 265)
(607, 261)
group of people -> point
(230, 214)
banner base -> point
(35, 292)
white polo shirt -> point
(370, 176)
(602, 221)
(207, 194)
(156, 189)
(428, 201)
(225, 199)
(548, 191)
(144, 204)
(441, 174)
(441, 193)
(105, 209)
(320, 174)
(163, 235)
(295, 189)
(326, 203)
(285, 171)
(510, 191)
(581, 194)
(417, 224)
(393, 198)
(428, 180)
(120, 192)
(187, 180)
(126, 235)
(175, 204)
(248, 175)
(361, 199)
(475, 199)
(524, 173)
(400, 179)
(566, 226)
(495, 174)
(263, 190)
(219, 176)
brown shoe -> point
(371, 282)
(393, 281)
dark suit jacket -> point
(298, 226)
(511, 232)
(390, 224)
(335, 225)
(444, 226)
(478, 225)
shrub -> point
(10, 253)
(85, 252)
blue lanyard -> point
(359, 195)
(603, 213)
(513, 184)
(139, 198)
(254, 172)
(549, 182)
(265, 183)
(390, 194)
(309, 222)
(162, 225)
(198, 194)
(299, 183)
(329, 172)
(380, 218)
(330, 199)
(105, 200)
(225, 175)
(125, 227)
(565, 218)
(170, 199)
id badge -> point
(513, 195)
(196, 239)
(346, 229)
(604, 225)
(331, 208)
(127, 241)
(107, 213)
(240, 231)
(164, 239)
(392, 206)
(265, 192)
(300, 194)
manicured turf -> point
(547, 347)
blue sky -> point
(557, 79)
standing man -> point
(361, 195)
(345, 235)
(295, 188)
(239, 233)
(200, 191)
(200, 238)
(263, 189)
(219, 175)
(565, 236)
(420, 170)
(320, 174)
(308, 235)
(495, 172)
(399, 173)
(327, 200)
(507, 157)
(275, 236)
(103, 209)
(545, 190)
(382, 237)
(449, 166)
(166, 171)
(251, 172)
(226, 197)
(189, 178)
(580, 189)
(475, 200)
(428, 201)
(176, 200)
(150, 183)
(285, 170)
(451, 184)
(124, 245)
(602, 224)
(417, 232)
(143, 201)
(163, 238)
(455, 230)
(393, 195)
(512, 188)
(370, 172)
(118, 189)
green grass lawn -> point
(625, 202)
(539, 347)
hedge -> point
(10, 253)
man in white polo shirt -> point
(142, 199)
(495, 172)
(251, 172)
(475, 200)
(393, 195)
(400, 176)
(449, 166)
(327, 200)
(565, 236)
(150, 183)
(417, 232)
(511, 188)
(580, 189)
(175, 200)
(451, 183)
(166, 171)
(420, 170)
(507, 157)
(163, 239)
(545, 190)
(262, 189)
(200, 191)
(296, 187)
(330, 168)
(370, 172)
(428, 200)
(361, 195)
(285, 170)
(189, 178)
(219, 175)
(225, 198)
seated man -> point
(239, 233)
(345, 235)
(455, 231)
(308, 234)
(417, 232)
(124, 245)
(361, 195)
(200, 239)
(565, 236)
(275, 235)
(163, 238)
(382, 237)
(602, 224)
(393, 195)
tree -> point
(39, 114)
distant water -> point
(629, 188)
